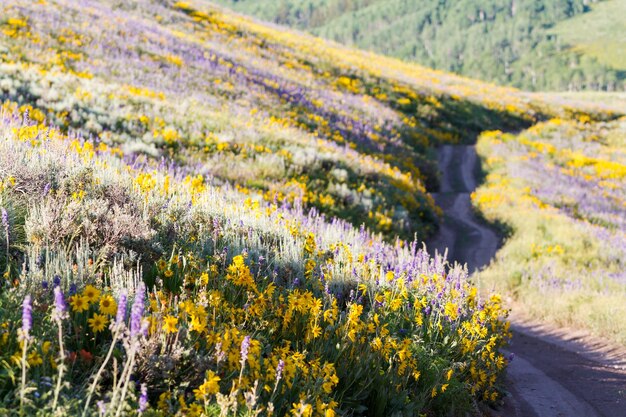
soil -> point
(555, 372)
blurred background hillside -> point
(539, 45)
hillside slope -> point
(560, 187)
(201, 214)
(260, 108)
(530, 45)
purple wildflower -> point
(44, 285)
(73, 289)
(136, 313)
(245, 347)
(102, 408)
(279, 370)
(220, 355)
(143, 399)
(56, 281)
(46, 189)
(60, 308)
(121, 309)
(27, 316)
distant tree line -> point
(504, 41)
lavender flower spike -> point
(279, 370)
(121, 309)
(143, 399)
(245, 347)
(102, 408)
(60, 308)
(27, 317)
(136, 313)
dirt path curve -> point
(550, 376)
(467, 240)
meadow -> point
(204, 215)
(559, 188)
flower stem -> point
(57, 390)
(92, 388)
(24, 365)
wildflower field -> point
(204, 215)
(560, 189)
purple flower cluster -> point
(102, 408)
(136, 313)
(279, 370)
(120, 317)
(143, 399)
(60, 308)
(27, 316)
(245, 347)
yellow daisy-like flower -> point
(169, 324)
(198, 323)
(108, 305)
(98, 322)
(451, 310)
(92, 293)
(161, 264)
(316, 331)
(169, 273)
(34, 359)
(210, 386)
(163, 403)
(79, 303)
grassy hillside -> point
(560, 188)
(598, 33)
(204, 215)
(200, 213)
(281, 108)
(532, 45)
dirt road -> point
(466, 239)
(553, 374)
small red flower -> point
(85, 356)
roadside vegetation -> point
(204, 215)
(560, 190)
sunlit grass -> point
(559, 188)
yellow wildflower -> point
(316, 331)
(169, 324)
(451, 310)
(98, 322)
(79, 303)
(91, 293)
(209, 387)
(34, 359)
(108, 305)
(198, 323)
